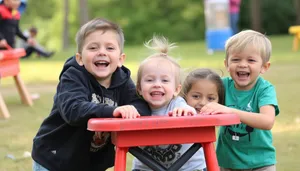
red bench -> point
(10, 67)
(127, 134)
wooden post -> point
(295, 43)
(25, 97)
(3, 109)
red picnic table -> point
(10, 67)
(128, 134)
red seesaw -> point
(10, 67)
(128, 134)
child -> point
(40, 50)
(247, 145)
(201, 87)
(158, 82)
(93, 84)
(9, 24)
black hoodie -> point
(63, 142)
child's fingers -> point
(174, 112)
(192, 113)
(179, 112)
(124, 112)
(132, 112)
(203, 110)
(186, 112)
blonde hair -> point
(98, 24)
(162, 46)
(240, 41)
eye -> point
(195, 96)
(251, 60)
(234, 59)
(165, 81)
(92, 48)
(149, 80)
(110, 48)
(211, 99)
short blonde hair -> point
(98, 24)
(161, 45)
(238, 42)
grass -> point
(41, 75)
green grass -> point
(41, 76)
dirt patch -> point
(34, 88)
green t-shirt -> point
(241, 146)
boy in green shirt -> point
(247, 146)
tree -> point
(66, 25)
(83, 12)
(297, 7)
(255, 15)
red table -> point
(10, 67)
(159, 130)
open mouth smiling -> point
(157, 93)
(101, 63)
(243, 74)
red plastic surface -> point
(12, 54)
(156, 130)
(160, 122)
(9, 62)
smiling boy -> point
(249, 145)
(93, 84)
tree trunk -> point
(66, 25)
(255, 15)
(297, 7)
(83, 12)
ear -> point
(265, 67)
(121, 59)
(226, 64)
(79, 59)
(177, 90)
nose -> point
(157, 84)
(102, 51)
(202, 102)
(242, 64)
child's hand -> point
(215, 108)
(182, 112)
(127, 112)
(3, 43)
(31, 41)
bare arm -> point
(263, 120)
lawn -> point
(41, 76)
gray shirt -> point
(168, 154)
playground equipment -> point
(295, 30)
(128, 134)
(9, 66)
(217, 22)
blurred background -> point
(189, 23)
(58, 20)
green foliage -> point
(276, 16)
(176, 19)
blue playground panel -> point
(215, 39)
